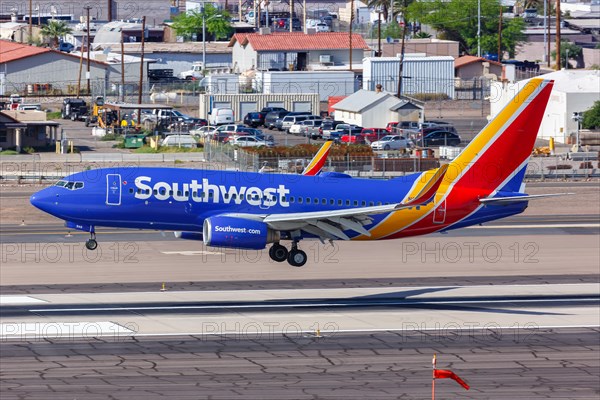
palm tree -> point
(54, 30)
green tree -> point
(575, 53)
(190, 23)
(591, 117)
(392, 30)
(54, 30)
(457, 20)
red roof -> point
(294, 41)
(465, 60)
(10, 51)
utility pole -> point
(557, 34)
(291, 15)
(350, 30)
(400, 69)
(379, 54)
(87, 74)
(500, 36)
(139, 114)
(30, 21)
(479, 28)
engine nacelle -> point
(237, 233)
(188, 235)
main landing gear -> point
(295, 257)
(91, 243)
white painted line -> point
(19, 300)
(49, 330)
(193, 253)
(492, 326)
(531, 226)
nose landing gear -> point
(91, 243)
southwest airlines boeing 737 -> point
(247, 210)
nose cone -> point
(44, 200)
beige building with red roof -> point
(472, 67)
(298, 51)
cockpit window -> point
(69, 185)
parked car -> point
(311, 128)
(351, 134)
(441, 138)
(273, 116)
(327, 126)
(416, 136)
(65, 46)
(373, 134)
(249, 141)
(296, 129)
(322, 27)
(392, 142)
(220, 116)
(266, 110)
(293, 118)
(254, 119)
(391, 125)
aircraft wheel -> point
(297, 258)
(91, 244)
(278, 253)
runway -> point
(513, 307)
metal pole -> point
(304, 17)
(139, 114)
(557, 34)
(80, 68)
(291, 15)
(401, 67)
(122, 69)
(204, 38)
(87, 74)
(479, 28)
(379, 34)
(545, 30)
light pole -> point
(204, 21)
(566, 58)
(87, 71)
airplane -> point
(247, 210)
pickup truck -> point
(197, 71)
(166, 117)
(74, 109)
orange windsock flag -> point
(445, 373)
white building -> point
(324, 83)
(372, 109)
(574, 91)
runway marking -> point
(469, 328)
(19, 300)
(317, 305)
(193, 253)
(50, 329)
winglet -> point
(428, 191)
(316, 164)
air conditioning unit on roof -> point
(325, 58)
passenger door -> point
(113, 189)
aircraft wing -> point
(330, 224)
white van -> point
(220, 116)
(187, 141)
(30, 107)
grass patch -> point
(8, 153)
(53, 115)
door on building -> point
(247, 107)
(301, 61)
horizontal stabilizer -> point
(519, 198)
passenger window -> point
(225, 195)
(340, 202)
(347, 202)
(316, 201)
(170, 193)
(364, 203)
(130, 190)
(300, 199)
(378, 203)
(291, 199)
(308, 200)
(355, 203)
(194, 194)
(187, 194)
(371, 203)
(324, 201)
(233, 196)
(331, 202)
(155, 192)
(179, 193)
